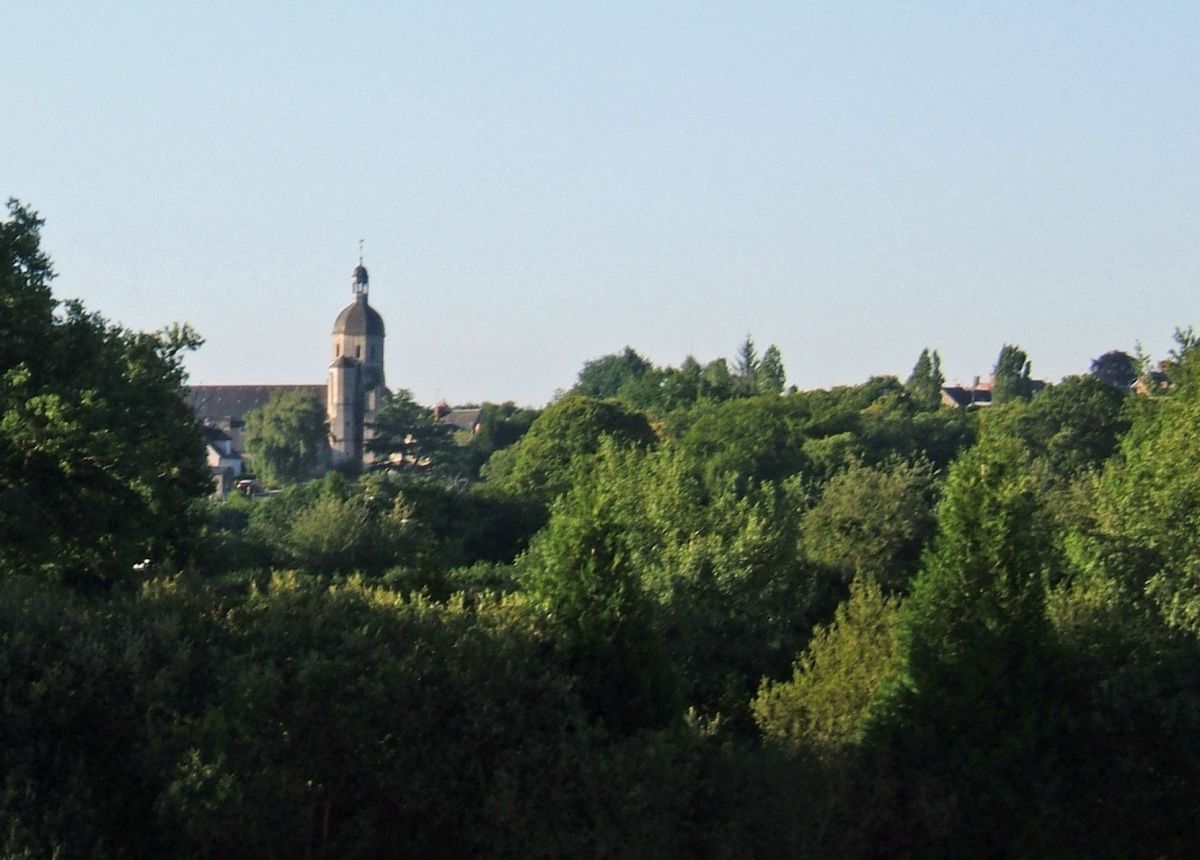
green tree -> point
(408, 437)
(682, 386)
(874, 522)
(580, 570)
(717, 383)
(746, 366)
(1072, 427)
(1010, 377)
(825, 704)
(926, 380)
(287, 438)
(500, 426)
(539, 466)
(982, 684)
(605, 376)
(101, 460)
(747, 440)
(771, 377)
(1148, 502)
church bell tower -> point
(355, 390)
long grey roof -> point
(463, 419)
(217, 402)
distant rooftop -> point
(213, 403)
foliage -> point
(978, 663)
(500, 426)
(605, 377)
(101, 461)
(1010, 377)
(702, 652)
(579, 570)
(408, 437)
(745, 368)
(1149, 501)
(287, 438)
(873, 522)
(771, 376)
(925, 382)
(1117, 368)
(1072, 427)
(825, 704)
(569, 432)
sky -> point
(539, 184)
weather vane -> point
(360, 244)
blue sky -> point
(541, 183)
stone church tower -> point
(355, 390)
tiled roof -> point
(216, 402)
(463, 419)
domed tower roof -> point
(360, 275)
(359, 318)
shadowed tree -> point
(1010, 377)
(410, 438)
(745, 368)
(926, 380)
(1118, 369)
(287, 438)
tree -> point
(925, 382)
(1177, 364)
(1010, 378)
(835, 681)
(745, 368)
(581, 571)
(1071, 428)
(500, 425)
(747, 440)
(100, 458)
(409, 438)
(605, 376)
(980, 694)
(287, 438)
(568, 432)
(770, 376)
(872, 522)
(1148, 504)
(717, 383)
(1118, 369)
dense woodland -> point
(680, 612)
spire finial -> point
(360, 273)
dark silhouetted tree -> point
(1010, 378)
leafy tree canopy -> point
(605, 376)
(539, 466)
(1010, 377)
(100, 457)
(410, 438)
(836, 680)
(287, 438)
(1118, 369)
(926, 380)
(771, 376)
